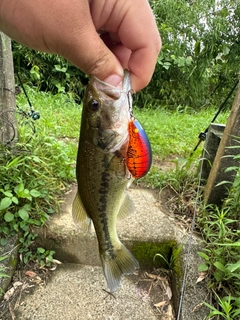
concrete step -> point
(146, 232)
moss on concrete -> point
(146, 255)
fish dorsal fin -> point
(79, 214)
(127, 207)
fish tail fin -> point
(123, 263)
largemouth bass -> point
(102, 174)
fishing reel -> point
(202, 136)
(35, 115)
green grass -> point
(172, 134)
(175, 133)
(59, 114)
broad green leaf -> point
(59, 68)
(35, 193)
(218, 275)
(3, 242)
(40, 250)
(203, 267)
(25, 194)
(233, 266)
(19, 188)
(203, 255)
(8, 217)
(23, 214)
(8, 194)
(15, 200)
(220, 266)
(5, 203)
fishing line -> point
(190, 242)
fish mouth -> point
(110, 91)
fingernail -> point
(114, 80)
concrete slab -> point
(75, 293)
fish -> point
(102, 173)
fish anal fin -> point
(123, 263)
(79, 214)
(127, 207)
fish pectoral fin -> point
(127, 207)
(123, 263)
(79, 214)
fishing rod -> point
(202, 136)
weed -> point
(32, 178)
(181, 176)
(230, 307)
(2, 272)
(220, 229)
(171, 263)
(2, 269)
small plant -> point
(2, 269)
(229, 308)
(31, 181)
(220, 229)
(42, 256)
(169, 262)
(2, 274)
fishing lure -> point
(139, 154)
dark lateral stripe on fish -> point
(103, 191)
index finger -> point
(138, 32)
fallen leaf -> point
(56, 261)
(17, 284)
(169, 292)
(201, 276)
(155, 277)
(53, 268)
(197, 307)
(30, 273)
(9, 293)
(170, 312)
(37, 280)
(160, 304)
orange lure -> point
(139, 154)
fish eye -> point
(94, 105)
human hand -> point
(129, 36)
